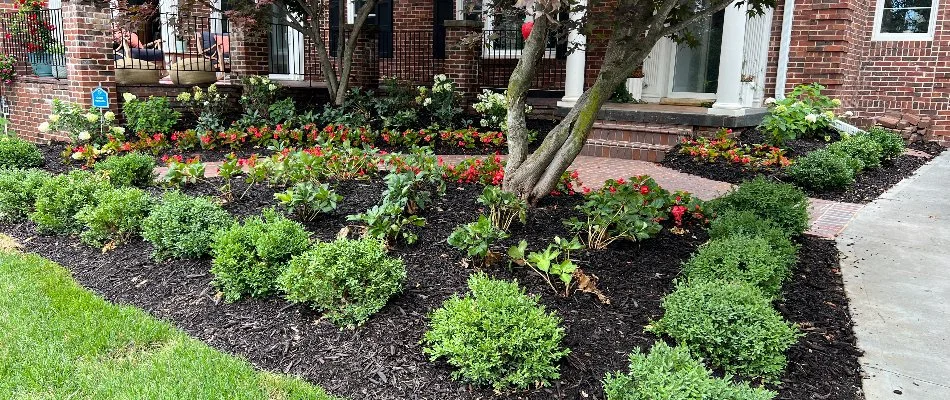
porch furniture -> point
(215, 47)
(135, 63)
(191, 71)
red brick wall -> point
(30, 101)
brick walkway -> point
(828, 218)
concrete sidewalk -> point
(896, 267)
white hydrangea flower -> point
(54, 118)
(77, 156)
(836, 102)
(128, 96)
(848, 114)
(811, 118)
(770, 100)
(84, 136)
(109, 116)
(118, 130)
(272, 87)
(427, 102)
(91, 117)
(830, 114)
(253, 80)
(781, 108)
(44, 127)
(184, 96)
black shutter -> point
(334, 26)
(384, 24)
(443, 10)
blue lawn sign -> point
(100, 97)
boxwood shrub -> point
(18, 190)
(496, 335)
(670, 373)
(133, 169)
(61, 197)
(730, 324)
(782, 203)
(743, 258)
(181, 226)
(18, 153)
(824, 170)
(892, 144)
(115, 215)
(748, 224)
(349, 280)
(861, 148)
(249, 257)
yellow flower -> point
(109, 116)
(92, 117)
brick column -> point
(365, 70)
(250, 52)
(463, 57)
(87, 30)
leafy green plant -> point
(804, 113)
(114, 216)
(822, 170)
(133, 169)
(282, 111)
(892, 144)
(18, 191)
(258, 94)
(476, 238)
(410, 190)
(153, 115)
(86, 126)
(747, 223)
(208, 106)
(395, 105)
(61, 197)
(181, 226)
(349, 280)
(388, 223)
(671, 373)
(249, 257)
(496, 335)
(621, 213)
(439, 102)
(503, 207)
(181, 172)
(862, 148)
(18, 153)
(555, 260)
(308, 200)
(782, 203)
(742, 258)
(730, 324)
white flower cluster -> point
(442, 84)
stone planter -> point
(635, 87)
(746, 93)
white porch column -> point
(576, 63)
(730, 62)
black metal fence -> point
(414, 58)
(35, 39)
(501, 50)
(169, 41)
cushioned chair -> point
(215, 47)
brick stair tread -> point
(632, 145)
(639, 128)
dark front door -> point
(443, 10)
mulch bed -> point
(868, 185)
(383, 359)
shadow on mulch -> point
(383, 359)
(867, 186)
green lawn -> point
(59, 341)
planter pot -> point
(41, 63)
(192, 71)
(635, 87)
(130, 72)
(746, 93)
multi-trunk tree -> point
(635, 26)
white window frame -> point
(877, 35)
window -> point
(904, 20)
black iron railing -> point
(414, 57)
(173, 42)
(35, 39)
(501, 50)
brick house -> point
(886, 62)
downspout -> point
(785, 42)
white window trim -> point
(878, 36)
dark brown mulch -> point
(383, 359)
(868, 185)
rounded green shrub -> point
(861, 148)
(746, 223)
(114, 216)
(181, 226)
(823, 170)
(18, 190)
(743, 258)
(671, 373)
(349, 280)
(892, 144)
(249, 257)
(730, 324)
(133, 169)
(496, 335)
(782, 203)
(18, 153)
(61, 197)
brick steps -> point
(634, 141)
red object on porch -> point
(526, 28)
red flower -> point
(678, 212)
(644, 189)
(621, 181)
